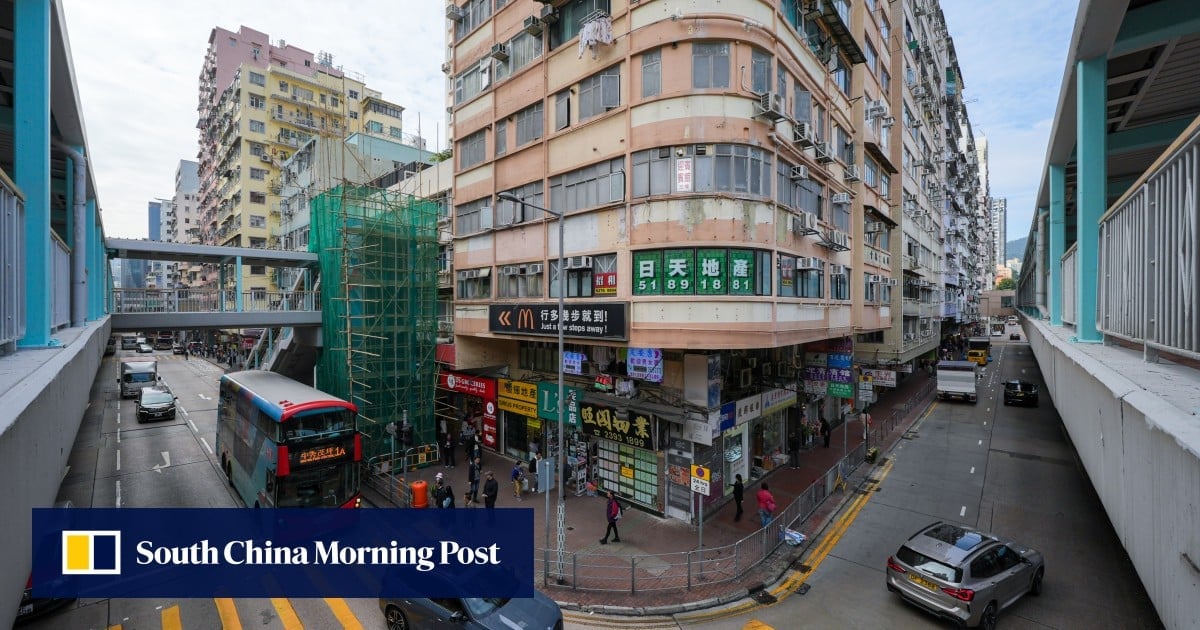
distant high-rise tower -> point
(999, 231)
(182, 221)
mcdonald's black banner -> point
(592, 320)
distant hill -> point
(1014, 249)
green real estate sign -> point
(548, 402)
(694, 272)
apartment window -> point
(871, 173)
(721, 167)
(520, 281)
(595, 185)
(303, 94)
(871, 337)
(352, 94)
(842, 74)
(871, 55)
(354, 115)
(258, 173)
(600, 92)
(475, 12)
(530, 122)
(810, 283)
(257, 102)
(283, 86)
(879, 240)
(885, 80)
(840, 216)
(386, 109)
(781, 86)
(787, 276)
(472, 217)
(508, 212)
(651, 73)
(258, 126)
(586, 281)
(374, 126)
(802, 104)
(471, 150)
(710, 66)
(570, 19)
(501, 137)
(475, 284)
(839, 284)
(258, 79)
(562, 110)
(259, 270)
(522, 51)
(793, 13)
(257, 197)
(257, 221)
(760, 71)
(395, 132)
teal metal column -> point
(1058, 239)
(94, 277)
(1092, 194)
(31, 118)
(237, 284)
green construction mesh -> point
(378, 255)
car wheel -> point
(395, 619)
(1035, 588)
(988, 620)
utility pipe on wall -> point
(79, 241)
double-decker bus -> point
(284, 444)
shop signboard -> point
(517, 397)
(816, 379)
(590, 320)
(683, 174)
(749, 408)
(645, 364)
(696, 428)
(480, 387)
(603, 422)
(714, 380)
(547, 406)
(814, 359)
(711, 272)
(728, 417)
(840, 390)
(840, 360)
(679, 270)
(573, 362)
(881, 378)
(605, 283)
(776, 399)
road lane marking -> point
(185, 411)
(972, 470)
(68, 469)
(166, 463)
(981, 442)
(342, 611)
(190, 424)
(228, 613)
(118, 435)
(755, 624)
(963, 511)
(118, 459)
(118, 493)
(170, 618)
(287, 614)
(115, 626)
(205, 443)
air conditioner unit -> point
(839, 238)
(874, 226)
(804, 223)
(548, 15)
(808, 262)
(892, 282)
(446, 68)
(468, 273)
(533, 269)
(850, 174)
(802, 134)
(815, 9)
(499, 52)
(874, 279)
(799, 172)
(510, 270)
(771, 106)
(837, 270)
(532, 25)
(455, 12)
(840, 199)
(579, 262)
(746, 376)
(824, 153)
(888, 121)
(265, 158)
(876, 109)
(920, 92)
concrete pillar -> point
(237, 284)
(31, 118)
(1058, 238)
(1091, 191)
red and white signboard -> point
(480, 387)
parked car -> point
(962, 574)
(1012, 320)
(111, 346)
(177, 348)
(1014, 337)
(145, 348)
(156, 403)
(1020, 393)
(472, 613)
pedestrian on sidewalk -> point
(766, 505)
(613, 511)
(533, 472)
(794, 450)
(477, 450)
(185, 353)
(517, 476)
(448, 451)
(474, 475)
(739, 493)
(490, 490)
(826, 433)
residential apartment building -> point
(435, 183)
(999, 229)
(260, 101)
(183, 221)
(158, 225)
(741, 204)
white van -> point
(137, 374)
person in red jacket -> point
(613, 512)
(766, 504)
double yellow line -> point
(843, 524)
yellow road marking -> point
(343, 614)
(755, 624)
(287, 614)
(228, 613)
(170, 618)
(115, 626)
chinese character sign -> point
(680, 271)
(740, 278)
(632, 428)
(647, 278)
(683, 175)
(710, 268)
(645, 364)
(605, 283)
(573, 362)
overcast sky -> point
(137, 63)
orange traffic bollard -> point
(420, 495)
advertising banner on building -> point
(645, 364)
(749, 408)
(518, 397)
(587, 320)
(547, 405)
(881, 378)
(603, 422)
(776, 399)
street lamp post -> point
(562, 415)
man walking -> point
(794, 449)
(490, 490)
(739, 493)
(613, 512)
(825, 431)
(448, 451)
(473, 477)
(516, 480)
(533, 472)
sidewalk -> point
(644, 538)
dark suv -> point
(1020, 393)
(156, 403)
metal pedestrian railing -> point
(882, 428)
(12, 265)
(212, 300)
(60, 298)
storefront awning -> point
(669, 413)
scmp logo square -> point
(91, 553)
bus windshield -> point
(322, 486)
(317, 424)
